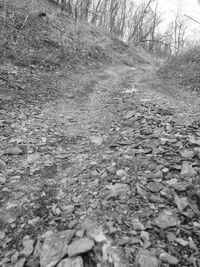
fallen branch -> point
(192, 19)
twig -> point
(24, 23)
(10, 85)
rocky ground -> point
(105, 174)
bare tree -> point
(178, 31)
(142, 23)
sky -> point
(189, 7)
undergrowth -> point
(185, 69)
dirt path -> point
(108, 151)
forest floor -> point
(105, 174)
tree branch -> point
(192, 19)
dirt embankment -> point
(184, 69)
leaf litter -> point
(110, 181)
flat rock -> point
(187, 154)
(145, 259)
(129, 114)
(20, 263)
(146, 239)
(71, 262)
(156, 199)
(34, 221)
(167, 258)
(166, 193)
(182, 242)
(55, 247)
(182, 186)
(181, 203)
(114, 256)
(137, 225)
(72, 223)
(111, 169)
(68, 209)
(2, 235)
(28, 246)
(154, 187)
(188, 170)
(80, 233)
(94, 231)
(117, 189)
(2, 177)
(121, 173)
(33, 157)
(194, 140)
(80, 246)
(166, 219)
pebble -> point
(2, 178)
(145, 236)
(181, 203)
(20, 263)
(182, 186)
(71, 262)
(167, 258)
(34, 221)
(14, 257)
(33, 157)
(111, 169)
(154, 187)
(72, 223)
(114, 256)
(166, 193)
(2, 235)
(97, 140)
(196, 224)
(68, 209)
(121, 173)
(156, 199)
(188, 170)
(145, 259)
(28, 246)
(146, 239)
(181, 242)
(137, 225)
(166, 219)
(80, 233)
(117, 189)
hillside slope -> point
(39, 43)
(185, 69)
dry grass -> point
(37, 44)
(54, 41)
(184, 68)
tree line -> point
(135, 22)
(138, 24)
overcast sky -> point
(189, 7)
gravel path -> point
(121, 148)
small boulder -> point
(55, 247)
(80, 246)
